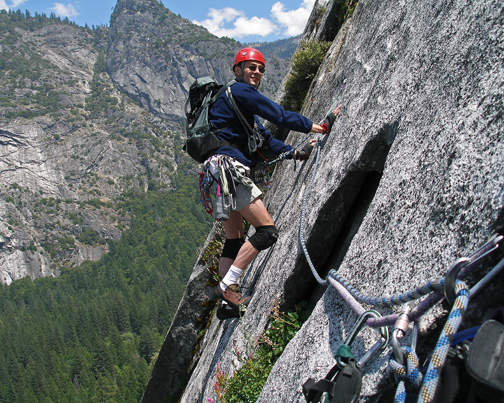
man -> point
(239, 155)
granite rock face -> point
(408, 181)
(181, 348)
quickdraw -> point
(205, 198)
(344, 380)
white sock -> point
(232, 276)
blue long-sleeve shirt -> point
(252, 104)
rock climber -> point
(236, 162)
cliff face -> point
(87, 117)
(154, 56)
(70, 144)
(408, 181)
(155, 59)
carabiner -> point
(400, 329)
(451, 278)
(356, 330)
(398, 333)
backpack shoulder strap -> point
(237, 111)
(222, 89)
(255, 140)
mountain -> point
(154, 55)
(72, 143)
(406, 188)
(96, 191)
(88, 116)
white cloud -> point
(235, 24)
(62, 10)
(13, 3)
(293, 20)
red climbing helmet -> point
(248, 54)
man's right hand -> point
(304, 153)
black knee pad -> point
(231, 247)
(264, 237)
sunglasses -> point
(254, 67)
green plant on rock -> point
(245, 384)
(305, 64)
(350, 7)
(210, 258)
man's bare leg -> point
(257, 215)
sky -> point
(245, 21)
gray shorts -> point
(246, 195)
(246, 190)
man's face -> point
(251, 73)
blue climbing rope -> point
(431, 377)
(408, 372)
(301, 238)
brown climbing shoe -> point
(233, 295)
(228, 311)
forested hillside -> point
(91, 334)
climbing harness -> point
(219, 178)
(216, 178)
